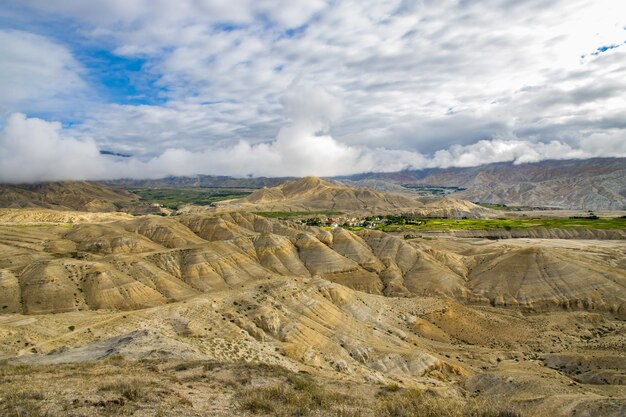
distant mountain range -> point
(68, 195)
(205, 181)
(590, 184)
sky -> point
(105, 89)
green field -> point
(507, 224)
(398, 223)
(432, 190)
(504, 207)
(288, 214)
(175, 197)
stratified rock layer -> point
(148, 261)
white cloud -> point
(36, 73)
(33, 150)
(489, 151)
(420, 83)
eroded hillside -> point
(589, 184)
(315, 194)
(568, 363)
(533, 324)
(69, 195)
(151, 260)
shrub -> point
(299, 396)
(131, 390)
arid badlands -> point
(304, 299)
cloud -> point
(313, 108)
(32, 149)
(37, 74)
(489, 151)
(420, 83)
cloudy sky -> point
(307, 87)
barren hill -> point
(315, 194)
(312, 193)
(590, 184)
(69, 195)
(148, 261)
(461, 318)
(310, 327)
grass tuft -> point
(415, 403)
(131, 390)
(299, 396)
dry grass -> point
(305, 397)
(22, 403)
(191, 388)
(131, 390)
(414, 403)
(299, 396)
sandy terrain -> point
(535, 325)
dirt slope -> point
(589, 184)
(69, 195)
(312, 326)
(147, 261)
(537, 324)
(315, 194)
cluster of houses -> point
(369, 222)
(337, 221)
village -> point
(351, 222)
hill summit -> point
(312, 193)
(316, 194)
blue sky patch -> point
(293, 32)
(122, 80)
(226, 27)
(605, 48)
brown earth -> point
(150, 260)
(536, 325)
(588, 184)
(68, 195)
(557, 364)
(315, 194)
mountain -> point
(589, 184)
(312, 193)
(205, 181)
(69, 195)
(188, 299)
(315, 194)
